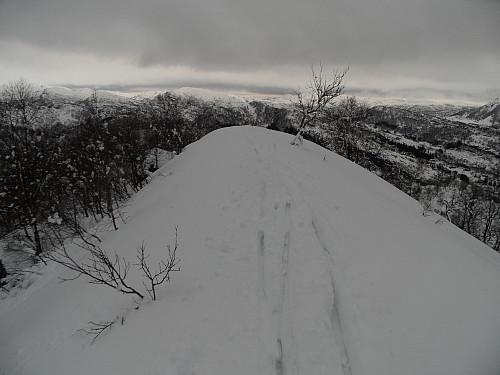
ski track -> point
(287, 358)
(335, 313)
(287, 362)
(261, 284)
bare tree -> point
(345, 120)
(101, 268)
(26, 163)
(20, 104)
(320, 93)
(162, 273)
(488, 216)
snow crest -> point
(293, 261)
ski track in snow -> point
(287, 361)
(287, 356)
(335, 313)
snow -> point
(81, 94)
(211, 96)
(293, 261)
(409, 102)
(485, 122)
(283, 101)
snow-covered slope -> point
(57, 93)
(294, 261)
(488, 114)
(211, 96)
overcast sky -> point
(402, 48)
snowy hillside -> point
(487, 115)
(293, 261)
(60, 94)
(210, 96)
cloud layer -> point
(441, 45)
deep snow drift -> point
(293, 261)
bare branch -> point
(162, 273)
(96, 329)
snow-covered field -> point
(293, 261)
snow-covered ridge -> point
(81, 94)
(488, 114)
(234, 99)
(293, 260)
(209, 96)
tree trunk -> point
(110, 208)
(38, 243)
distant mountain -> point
(64, 104)
(211, 96)
(77, 95)
(488, 114)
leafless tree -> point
(111, 270)
(100, 267)
(320, 93)
(162, 273)
(21, 104)
(345, 122)
(488, 216)
(25, 166)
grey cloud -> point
(224, 34)
(238, 35)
